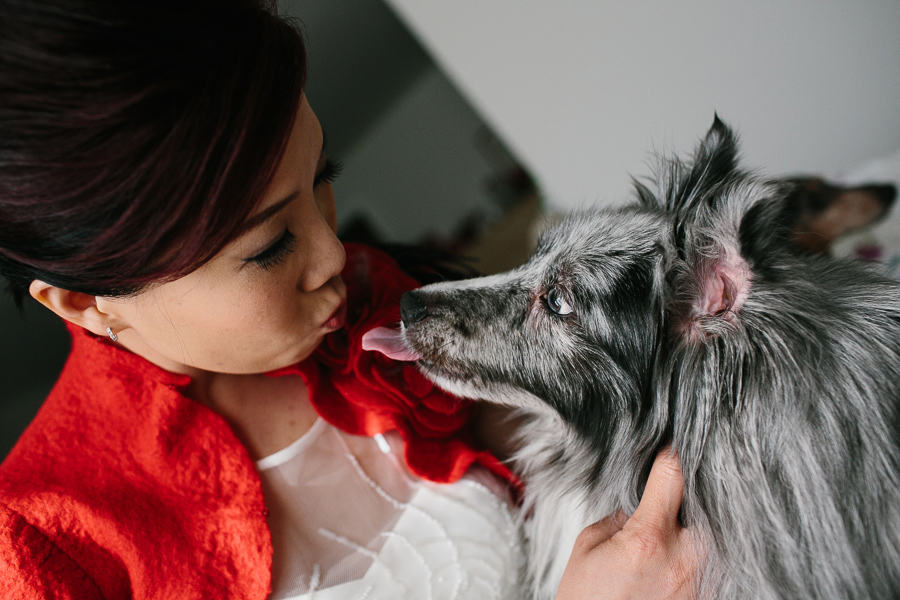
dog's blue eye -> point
(557, 303)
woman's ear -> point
(75, 307)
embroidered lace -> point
(349, 521)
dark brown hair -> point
(136, 137)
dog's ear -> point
(716, 280)
(714, 160)
(685, 190)
(691, 188)
(822, 211)
(710, 293)
(723, 285)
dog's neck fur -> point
(568, 486)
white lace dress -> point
(350, 522)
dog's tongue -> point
(389, 342)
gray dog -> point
(689, 318)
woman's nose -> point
(326, 257)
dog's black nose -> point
(887, 193)
(412, 308)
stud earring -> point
(111, 335)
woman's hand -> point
(647, 556)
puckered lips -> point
(336, 320)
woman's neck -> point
(266, 413)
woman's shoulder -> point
(112, 445)
(108, 486)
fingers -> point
(656, 515)
(599, 532)
(661, 501)
(648, 555)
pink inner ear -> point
(715, 292)
(725, 287)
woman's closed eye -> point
(329, 172)
(277, 252)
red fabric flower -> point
(365, 393)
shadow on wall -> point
(33, 348)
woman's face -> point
(269, 297)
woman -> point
(218, 431)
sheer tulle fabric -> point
(348, 520)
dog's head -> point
(580, 327)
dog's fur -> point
(826, 211)
(774, 374)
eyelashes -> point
(276, 253)
(329, 173)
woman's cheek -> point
(280, 312)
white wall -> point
(582, 90)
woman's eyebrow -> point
(266, 214)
